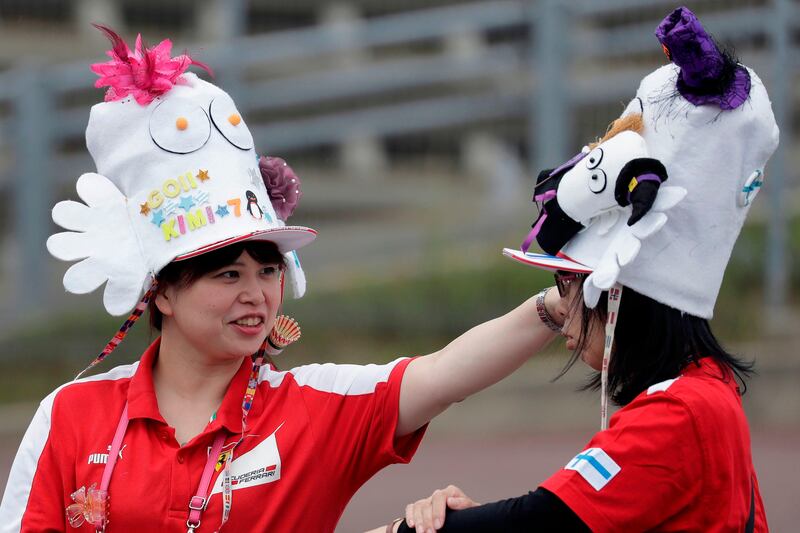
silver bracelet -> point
(544, 316)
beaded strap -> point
(123, 330)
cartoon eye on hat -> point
(180, 126)
(228, 121)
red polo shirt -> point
(315, 434)
(677, 458)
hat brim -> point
(286, 238)
(547, 262)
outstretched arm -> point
(480, 357)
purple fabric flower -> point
(282, 183)
(707, 76)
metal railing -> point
(535, 77)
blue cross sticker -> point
(750, 188)
(595, 466)
(592, 461)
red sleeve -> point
(354, 411)
(400, 449)
(34, 497)
(642, 470)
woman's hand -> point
(556, 306)
(427, 514)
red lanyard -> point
(198, 502)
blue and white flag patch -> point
(595, 466)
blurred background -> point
(418, 127)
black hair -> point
(653, 342)
(186, 272)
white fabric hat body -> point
(175, 178)
(719, 158)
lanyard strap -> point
(198, 502)
(100, 519)
(247, 403)
(116, 444)
(614, 296)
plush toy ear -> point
(552, 228)
(637, 185)
(542, 182)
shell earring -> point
(285, 331)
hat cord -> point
(124, 328)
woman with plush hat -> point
(638, 229)
(201, 432)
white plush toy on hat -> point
(177, 176)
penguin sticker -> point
(252, 205)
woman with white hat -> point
(638, 230)
(201, 432)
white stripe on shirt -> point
(347, 380)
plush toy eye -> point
(179, 126)
(594, 158)
(228, 121)
(597, 180)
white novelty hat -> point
(177, 176)
(706, 132)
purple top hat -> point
(707, 75)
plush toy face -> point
(614, 174)
(587, 189)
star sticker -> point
(255, 177)
(158, 218)
(222, 211)
(186, 203)
(202, 175)
(144, 209)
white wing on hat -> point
(101, 236)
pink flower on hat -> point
(282, 183)
(145, 73)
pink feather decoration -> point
(145, 73)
